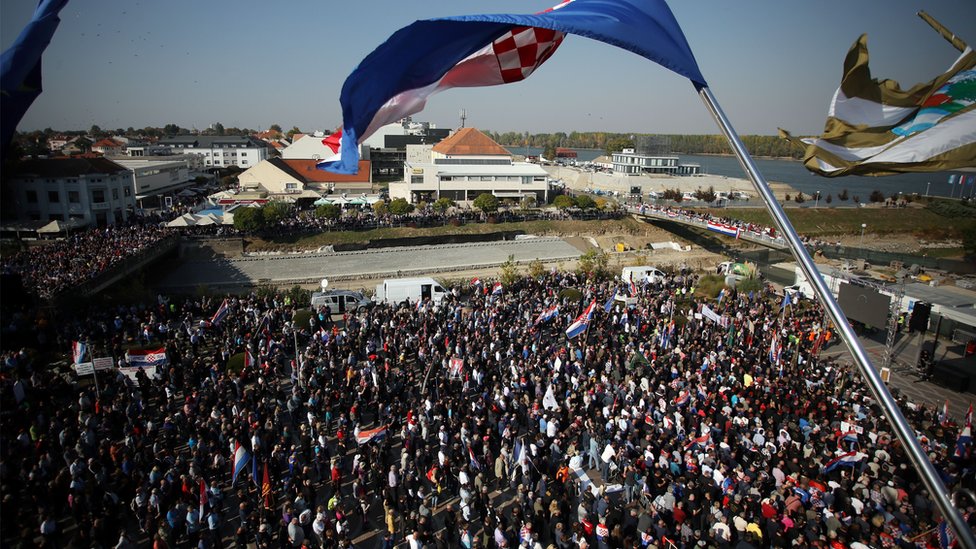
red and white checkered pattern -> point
(521, 50)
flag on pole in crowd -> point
(721, 295)
(582, 321)
(203, 498)
(249, 360)
(775, 349)
(847, 459)
(476, 281)
(944, 414)
(666, 333)
(787, 301)
(947, 537)
(78, 351)
(221, 313)
(497, 289)
(876, 128)
(430, 56)
(369, 435)
(266, 487)
(964, 442)
(20, 67)
(609, 304)
(549, 399)
(255, 473)
(547, 314)
(633, 288)
(475, 464)
(241, 457)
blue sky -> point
(251, 63)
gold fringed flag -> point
(876, 128)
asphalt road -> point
(387, 262)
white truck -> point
(398, 290)
(641, 273)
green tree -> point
(877, 196)
(842, 195)
(673, 194)
(275, 211)
(400, 206)
(443, 204)
(508, 272)
(380, 207)
(218, 129)
(799, 199)
(618, 144)
(248, 219)
(829, 198)
(564, 201)
(593, 263)
(585, 202)
(95, 131)
(969, 239)
(275, 128)
(536, 269)
(291, 133)
(549, 153)
(528, 202)
(706, 195)
(328, 211)
(486, 202)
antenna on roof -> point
(464, 116)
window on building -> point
(243, 162)
(73, 197)
(416, 179)
(53, 197)
(31, 197)
(115, 194)
(243, 154)
(291, 186)
(447, 178)
(126, 191)
(98, 195)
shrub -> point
(442, 204)
(593, 263)
(508, 272)
(571, 294)
(328, 211)
(486, 202)
(275, 212)
(249, 219)
(585, 202)
(400, 206)
(564, 201)
(877, 196)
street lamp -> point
(817, 202)
(927, 185)
(863, 226)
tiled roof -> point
(305, 170)
(470, 142)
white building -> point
(464, 166)
(160, 175)
(220, 151)
(630, 162)
(91, 190)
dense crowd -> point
(474, 422)
(59, 265)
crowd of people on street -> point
(557, 411)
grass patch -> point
(302, 317)
(845, 221)
(235, 364)
(305, 242)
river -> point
(795, 175)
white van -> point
(641, 273)
(398, 290)
(341, 301)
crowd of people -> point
(474, 422)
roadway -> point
(307, 268)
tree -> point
(171, 129)
(508, 272)
(328, 211)
(618, 144)
(380, 207)
(584, 202)
(400, 206)
(549, 153)
(564, 201)
(969, 240)
(676, 195)
(877, 196)
(443, 204)
(829, 199)
(593, 263)
(276, 211)
(706, 195)
(291, 133)
(486, 202)
(275, 128)
(248, 219)
(856, 198)
(800, 199)
(528, 202)
(536, 269)
(787, 197)
(843, 195)
(95, 131)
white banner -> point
(103, 363)
(84, 368)
(711, 315)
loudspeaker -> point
(919, 320)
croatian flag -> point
(964, 443)
(241, 457)
(944, 415)
(203, 498)
(547, 314)
(849, 459)
(147, 358)
(428, 57)
(476, 282)
(474, 460)
(727, 230)
(221, 313)
(581, 322)
(609, 304)
(633, 288)
(78, 350)
(363, 437)
(497, 289)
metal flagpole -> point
(898, 422)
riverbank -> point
(579, 180)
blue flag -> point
(20, 67)
(427, 57)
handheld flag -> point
(20, 67)
(475, 464)
(221, 313)
(203, 498)
(609, 304)
(241, 457)
(547, 314)
(787, 301)
(78, 350)
(876, 128)
(944, 414)
(581, 322)
(427, 57)
(497, 289)
(266, 487)
(363, 437)
(848, 459)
